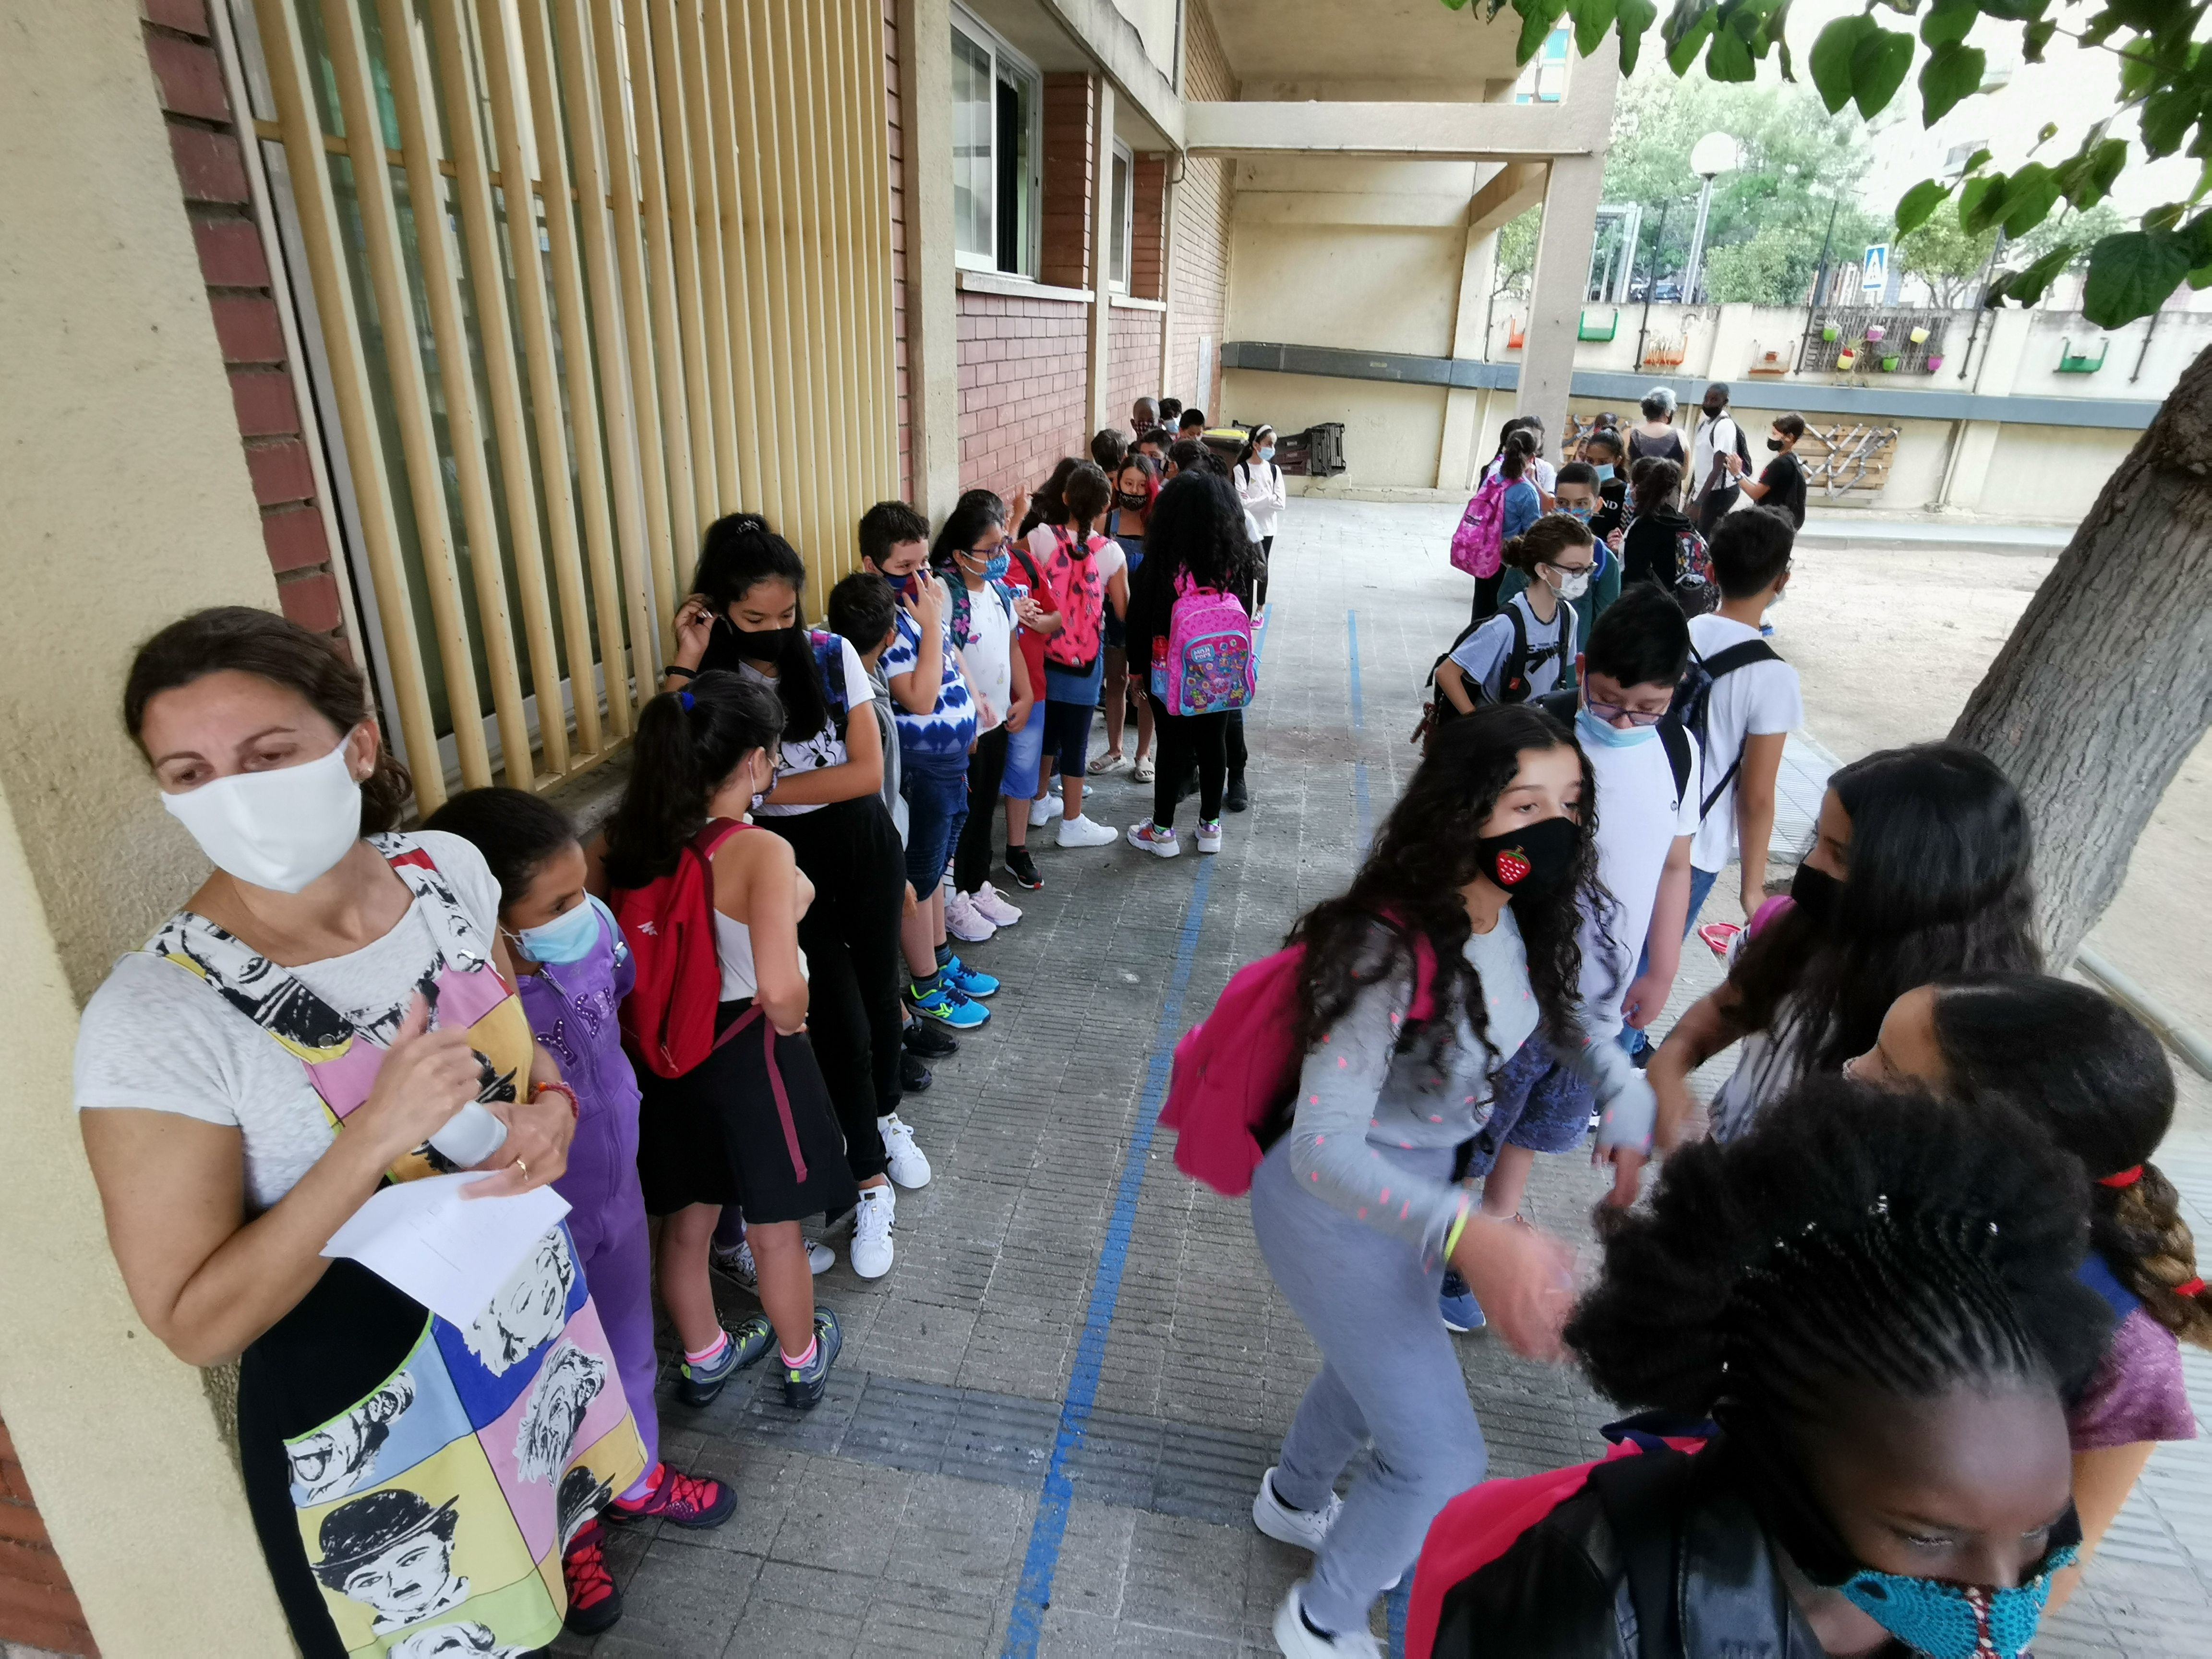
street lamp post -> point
(1715, 153)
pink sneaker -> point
(991, 904)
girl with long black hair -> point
(1920, 868)
(746, 616)
(1875, 1300)
(2094, 1077)
(1470, 893)
(751, 1125)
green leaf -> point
(1977, 161)
(2131, 274)
(2030, 194)
(1879, 66)
(1981, 203)
(2034, 39)
(1832, 58)
(1951, 73)
(2167, 117)
(2088, 178)
(2028, 284)
(1921, 200)
(1682, 51)
(1537, 17)
(1635, 18)
(2014, 11)
(1592, 19)
(2164, 216)
(1948, 22)
(1731, 59)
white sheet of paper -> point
(451, 1254)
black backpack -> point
(1521, 661)
(1693, 699)
(1562, 707)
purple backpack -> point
(1477, 546)
(1203, 664)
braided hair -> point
(2097, 1078)
(1856, 1239)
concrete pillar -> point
(1101, 255)
(2004, 339)
(933, 314)
(1555, 297)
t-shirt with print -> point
(1757, 701)
(156, 1036)
(1482, 654)
(984, 622)
(940, 738)
(825, 747)
(1641, 814)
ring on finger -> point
(525, 1168)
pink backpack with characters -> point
(1477, 545)
(1203, 664)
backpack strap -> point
(1677, 742)
(829, 647)
(1514, 667)
(1741, 654)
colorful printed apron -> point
(433, 1506)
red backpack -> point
(1236, 1072)
(668, 1018)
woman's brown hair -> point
(277, 649)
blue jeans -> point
(936, 807)
(1701, 888)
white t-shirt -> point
(1716, 439)
(1766, 1069)
(986, 654)
(825, 747)
(1546, 477)
(1259, 487)
(156, 1036)
(1044, 539)
(1757, 701)
(1639, 816)
(1482, 653)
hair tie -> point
(685, 701)
(2126, 1178)
(2190, 1291)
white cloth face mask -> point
(279, 829)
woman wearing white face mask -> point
(1527, 648)
(249, 1079)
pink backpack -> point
(1079, 596)
(1237, 1072)
(1203, 664)
(1477, 546)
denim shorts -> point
(1025, 748)
(936, 806)
(1536, 1101)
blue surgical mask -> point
(995, 570)
(1593, 730)
(1583, 510)
(1957, 1621)
(1266, 452)
(570, 937)
(1604, 472)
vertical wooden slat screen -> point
(690, 201)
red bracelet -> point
(576, 1106)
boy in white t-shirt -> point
(1754, 705)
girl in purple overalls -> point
(574, 971)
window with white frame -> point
(998, 113)
(1121, 238)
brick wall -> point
(1071, 174)
(894, 140)
(1203, 200)
(1022, 369)
(1133, 360)
(211, 171)
(36, 1606)
(1147, 243)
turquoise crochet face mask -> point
(1957, 1621)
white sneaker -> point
(1041, 811)
(1209, 836)
(1152, 838)
(1296, 1642)
(965, 921)
(1080, 831)
(1306, 1529)
(907, 1167)
(991, 904)
(738, 1263)
(872, 1231)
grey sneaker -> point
(803, 1384)
(697, 1382)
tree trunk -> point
(2106, 685)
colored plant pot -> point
(1889, 365)
(1935, 361)
(1846, 359)
(1830, 332)
(1918, 336)
(1877, 332)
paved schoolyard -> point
(1050, 1419)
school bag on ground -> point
(1477, 545)
(1563, 706)
(1236, 1074)
(1693, 702)
(1520, 662)
(668, 1018)
(1204, 665)
(1072, 577)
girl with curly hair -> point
(1866, 1310)
(2096, 1078)
(1469, 895)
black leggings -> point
(1485, 594)
(1185, 740)
(1260, 587)
(987, 767)
(850, 851)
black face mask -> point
(1538, 859)
(757, 644)
(1814, 891)
(1775, 444)
(1132, 503)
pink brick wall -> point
(1021, 389)
(1133, 360)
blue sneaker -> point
(948, 1006)
(965, 980)
(1461, 1312)
(803, 1384)
(697, 1383)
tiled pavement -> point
(917, 1509)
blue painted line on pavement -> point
(1025, 1623)
(1352, 643)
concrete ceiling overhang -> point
(1439, 54)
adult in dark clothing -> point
(1876, 1300)
(1654, 523)
(1781, 485)
(1656, 437)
